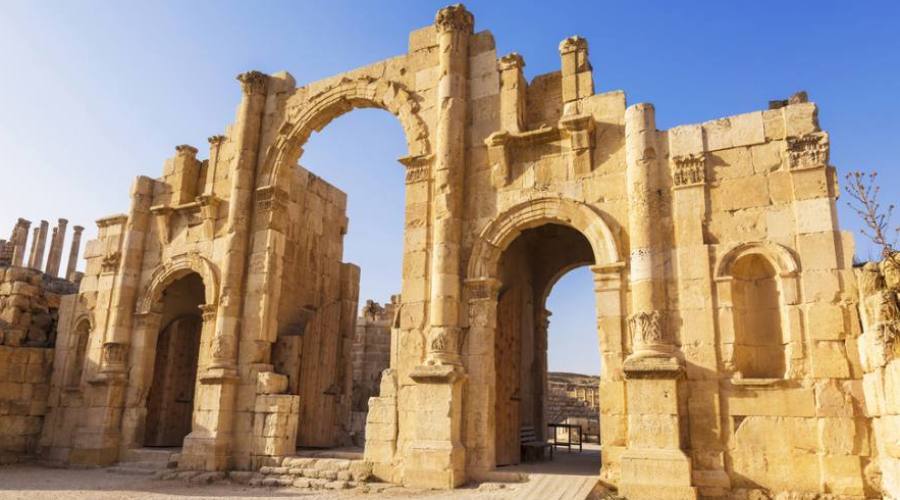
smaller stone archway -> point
(173, 328)
(484, 285)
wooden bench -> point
(531, 447)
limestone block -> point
(825, 321)
(814, 215)
(773, 124)
(798, 402)
(842, 474)
(271, 383)
(685, 140)
(747, 129)
(736, 194)
(829, 360)
(766, 157)
(800, 119)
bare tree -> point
(863, 189)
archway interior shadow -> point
(170, 401)
(529, 268)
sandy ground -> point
(27, 481)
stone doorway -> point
(528, 269)
(170, 400)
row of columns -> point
(19, 241)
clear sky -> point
(95, 93)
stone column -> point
(56, 243)
(453, 25)
(577, 74)
(73, 252)
(240, 212)
(19, 240)
(36, 259)
(127, 279)
(209, 446)
(654, 465)
(648, 321)
(436, 456)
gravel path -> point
(27, 481)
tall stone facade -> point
(726, 300)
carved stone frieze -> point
(689, 170)
(808, 151)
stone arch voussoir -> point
(175, 269)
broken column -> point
(73, 253)
(37, 246)
(56, 243)
(19, 239)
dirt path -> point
(34, 482)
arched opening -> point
(170, 400)
(525, 414)
(333, 367)
(758, 336)
(77, 354)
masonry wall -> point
(24, 390)
(370, 356)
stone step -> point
(329, 469)
(161, 455)
(136, 468)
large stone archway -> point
(483, 285)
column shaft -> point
(20, 240)
(454, 25)
(73, 252)
(36, 259)
(56, 243)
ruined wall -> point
(879, 348)
(370, 356)
(24, 390)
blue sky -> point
(95, 93)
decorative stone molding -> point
(253, 82)
(418, 168)
(209, 206)
(208, 312)
(454, 18)
(110, 262)
(162, 216)
(178, 267)
(648, 333)
(580, 131)
(689, 170)
(112, 359)
(808, 151)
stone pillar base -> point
(204, 453)
(653, 474)
(436, 458)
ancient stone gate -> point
(724, 289)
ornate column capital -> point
(454, 18)
(253, 82)
(216, 140)
(572, 44)
(186, 150)
(511, 61)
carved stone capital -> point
(689, 170)
(216, 140)
(648, 334)
(454, 18)
(112, 357)
(186, 150)
(443, 344)
(808, 151)
(208, 312)
(418, 168)
(253, 82)
(511, 61)
(572, 44)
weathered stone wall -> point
(369, 357)
(24, 389)
(879, 348)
